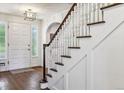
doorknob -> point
(29, 49)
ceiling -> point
(42, 9)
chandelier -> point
(29, 15)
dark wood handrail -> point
(64, 20)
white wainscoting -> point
(108, 59)
(59, 84)
(77, 76)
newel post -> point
(44, 82)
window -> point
(2, 41)
(34, 40)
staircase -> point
(72, 42)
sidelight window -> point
(34, 40)
(3, 49)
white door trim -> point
(27, 44)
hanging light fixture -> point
(29, 15)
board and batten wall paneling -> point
(77, 76)
(108, 59)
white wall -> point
(51, 30)
(109, 61)
(10, 18)
(56, 18)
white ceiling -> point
(42, 9)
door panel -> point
(19, 49)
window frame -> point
(35, 25)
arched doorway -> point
(51, 31)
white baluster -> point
(75, 25)
(98, 8)
(89, 12)
(78, 23)
(58, 54)
(85, 18)
(72, 28)
(101, 15)
(60, 47)
(65, 37)
(69, 30)
(96, 12)
(62, 40)
(68, 41)
(60, 43)
(81, 19)
(56, 48)
(52, 55)
(78, 19)
(92, 13)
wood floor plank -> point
(21, 81)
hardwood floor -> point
(21, 81)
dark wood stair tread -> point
(66, 56)
(94, 23)
(105, 7)
(53, 69)
(84, 36)
(74, 47)
(49, 75)
(58, 63)
(46, 89)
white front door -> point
(19, 46)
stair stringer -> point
(99, 32)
